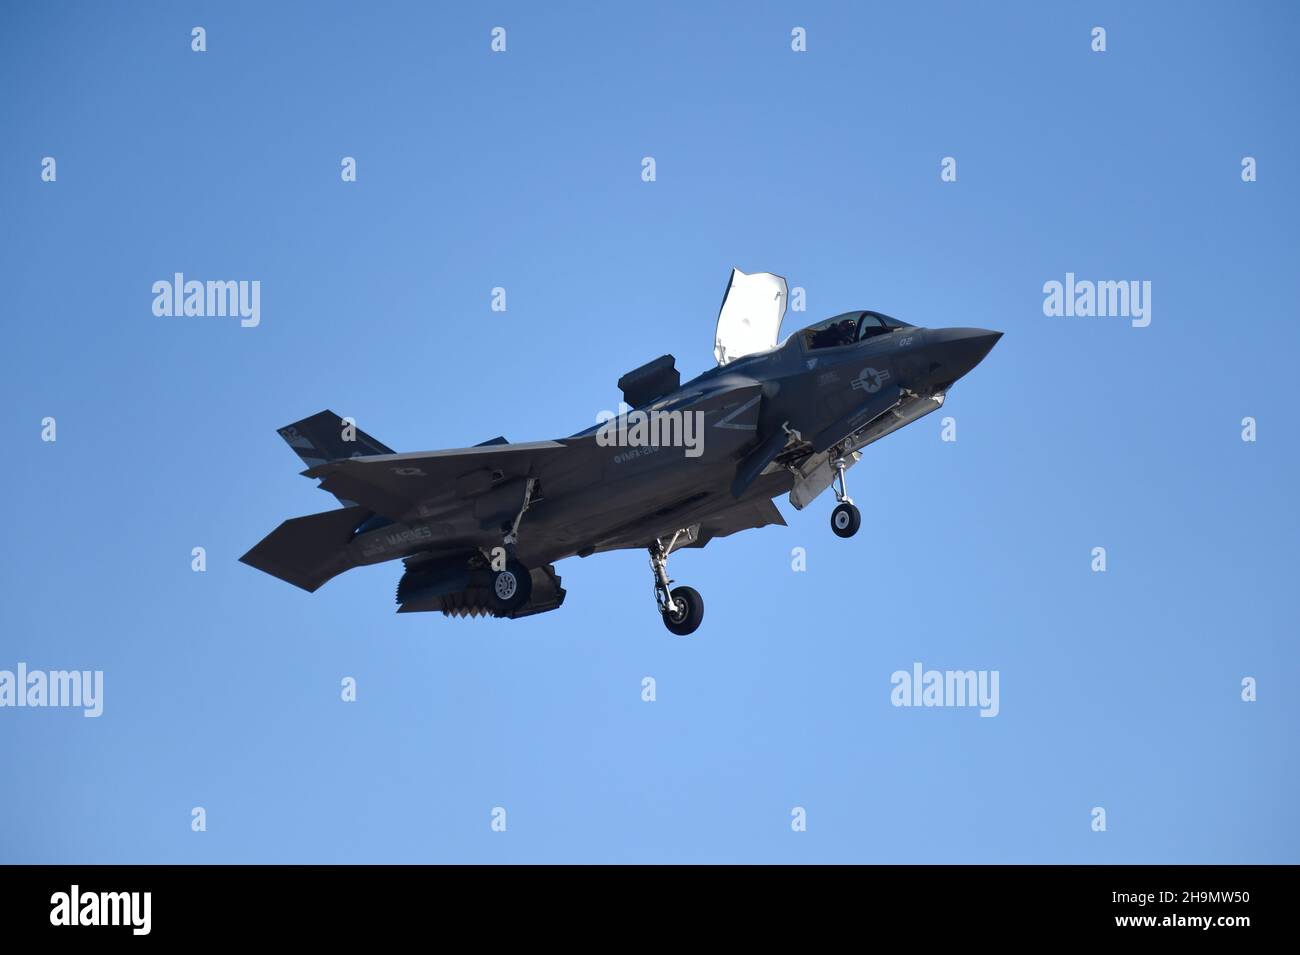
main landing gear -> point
(512, 586)
(682, 608)
(846, 518)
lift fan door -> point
(751, 314)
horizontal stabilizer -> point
(307, 551)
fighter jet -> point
(479, 529)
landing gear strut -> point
(512, 586)
(682, 608)
(846, 518)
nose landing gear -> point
(846, 518)
(682, 608)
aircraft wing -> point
(758, 513)
(406, 487)
(703, 524)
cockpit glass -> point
(874, 323)
(849, 328)
(871, 327)
(840, 330)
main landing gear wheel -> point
(846, 519)
(511, 588)
(682, 608)
(685, 611)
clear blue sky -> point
(522, 170)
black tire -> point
(845, 520)
(510, 588)
(686, 613)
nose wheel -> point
(846, 518)
(682, 608)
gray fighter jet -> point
(480, 528)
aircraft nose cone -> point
(955, 351)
